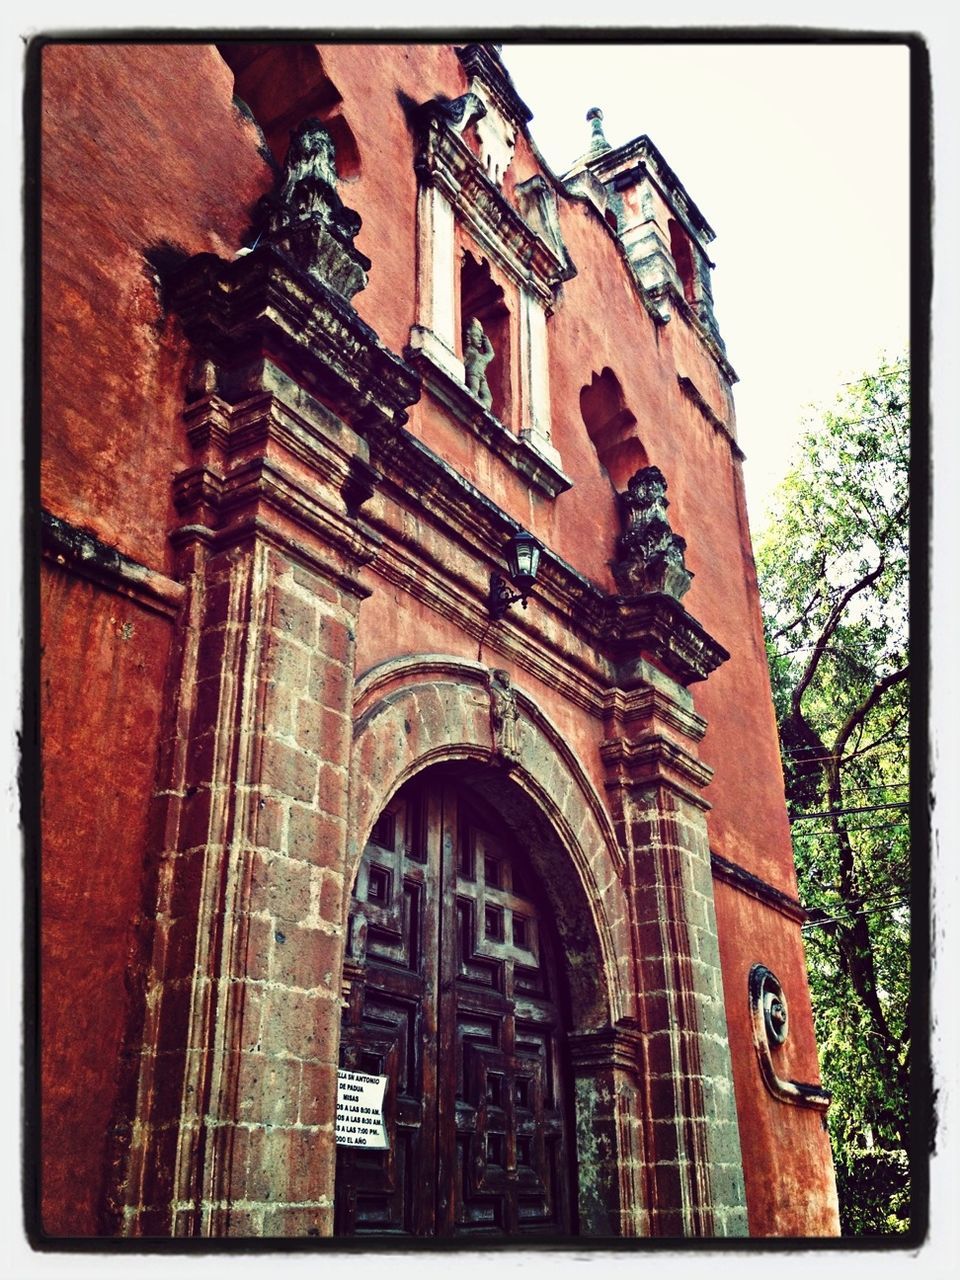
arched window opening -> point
(481, 298)
(283, 85)
(612, 428)
(683, 259)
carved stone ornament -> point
(477, 353)
(461, 112)
(768, 1014)
(504, 715)
(650, 553)
(306, 219)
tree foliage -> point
(833, 580)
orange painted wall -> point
(100, 729)
(786, 1150)
(141, 149)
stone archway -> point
(414, 713)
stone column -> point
(535, 377)
(435, 331)
(693, 1168)
(608, 1100)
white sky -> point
(798, 158)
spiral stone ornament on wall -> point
(768, 1015)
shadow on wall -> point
(612, 428)
(283, 85)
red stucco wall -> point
(100, 729)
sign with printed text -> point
(360, 1110)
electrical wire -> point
(863, 808)
(876, 911)
(880, 826)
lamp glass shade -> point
(522, 554)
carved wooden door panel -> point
(453, 996)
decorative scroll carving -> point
(537, 202)
(504, 715)
(768, 1013)
(477, 353)
(306, 219)
(651, 554)
(461, 112)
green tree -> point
(833, 567)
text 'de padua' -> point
(360, 1110)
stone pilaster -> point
(693, 1175)
(608, 1099)
(535, 378)
(233, 1132)
(435, 330)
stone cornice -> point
(294, 475)
(263, 303)
(692, 392)
(621, 628)
(670, 291)
(660, 626)
(655, 758)
(746, 882)
(646, 158)
(647, 703)
(84, 554)
(478, 60)
(619, 1048)
(445, 161)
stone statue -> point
(651, 554)
(307, 220)
(477, 353)
(504, 715)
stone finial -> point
(650, 553)
(477, 353)
(598, 142)
(307, 220)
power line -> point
(794, 752)
(879, 786)
(883, 895)
(880, 826)
(863, 808)
(876, 911)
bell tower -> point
(663, 232)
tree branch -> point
(831, 624)
(859, 715)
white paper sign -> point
(360, 1110)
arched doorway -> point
(455, 994)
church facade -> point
(414, 854)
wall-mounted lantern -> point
(522, 554)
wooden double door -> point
(451, 993)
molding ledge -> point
(692, 392)
(746, 882)
(526, 460)
(84, 554)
